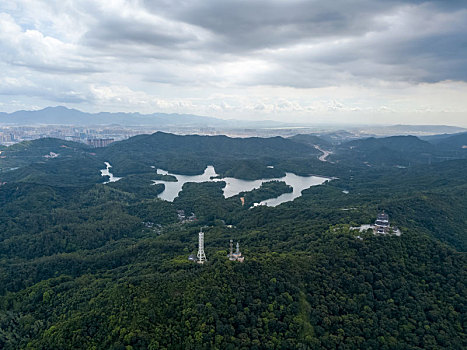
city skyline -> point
(349, 62)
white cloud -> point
(30, 48)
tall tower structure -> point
(231, 256)
(201, 255)
(237, 256)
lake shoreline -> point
(235, 186)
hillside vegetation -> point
(87, 265)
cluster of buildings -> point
(51, 155)
(100, 142)
(183, 218)
(382, 223)
(93, 136)
(7, 138)
(381, 226)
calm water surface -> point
(235, 186)
(106, 172)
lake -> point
(235, 186)
(106, 172)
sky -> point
(306, 61)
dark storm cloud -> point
(418, 55)
(59, 69)
(440, 56)
(253, 25)
(301, 43)
(231, 57)
(126, 30)
(251, 28)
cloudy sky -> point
(341, 61)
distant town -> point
(101, 129)
(103, 135)
(97, 137)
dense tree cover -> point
(85, 265)
(191, 154)
(250, 169)
(161, 177)
(375, 293)
(311, 140)
(450, 141)
(427, 198)
(399, 151)
(29, 152)
(199, 198)
(75, 171)
(268, 190)
(46, 221)
(141, 185)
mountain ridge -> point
(60, 115)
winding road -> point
(324, 155)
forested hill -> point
(211, 145)
(312, 140)
(457, 141)
(191, 154)
(87, 265)
(247, 158)
(400, 151)
(27, 152)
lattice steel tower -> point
(201, 255)
(231, 250)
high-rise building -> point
(100, 142)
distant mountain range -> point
(64, 116)
(428, 129)
(163, 121)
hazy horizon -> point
(274, 124)
(355, 62)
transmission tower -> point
(201, 255)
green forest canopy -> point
(80, 267)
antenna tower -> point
(201, 255)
